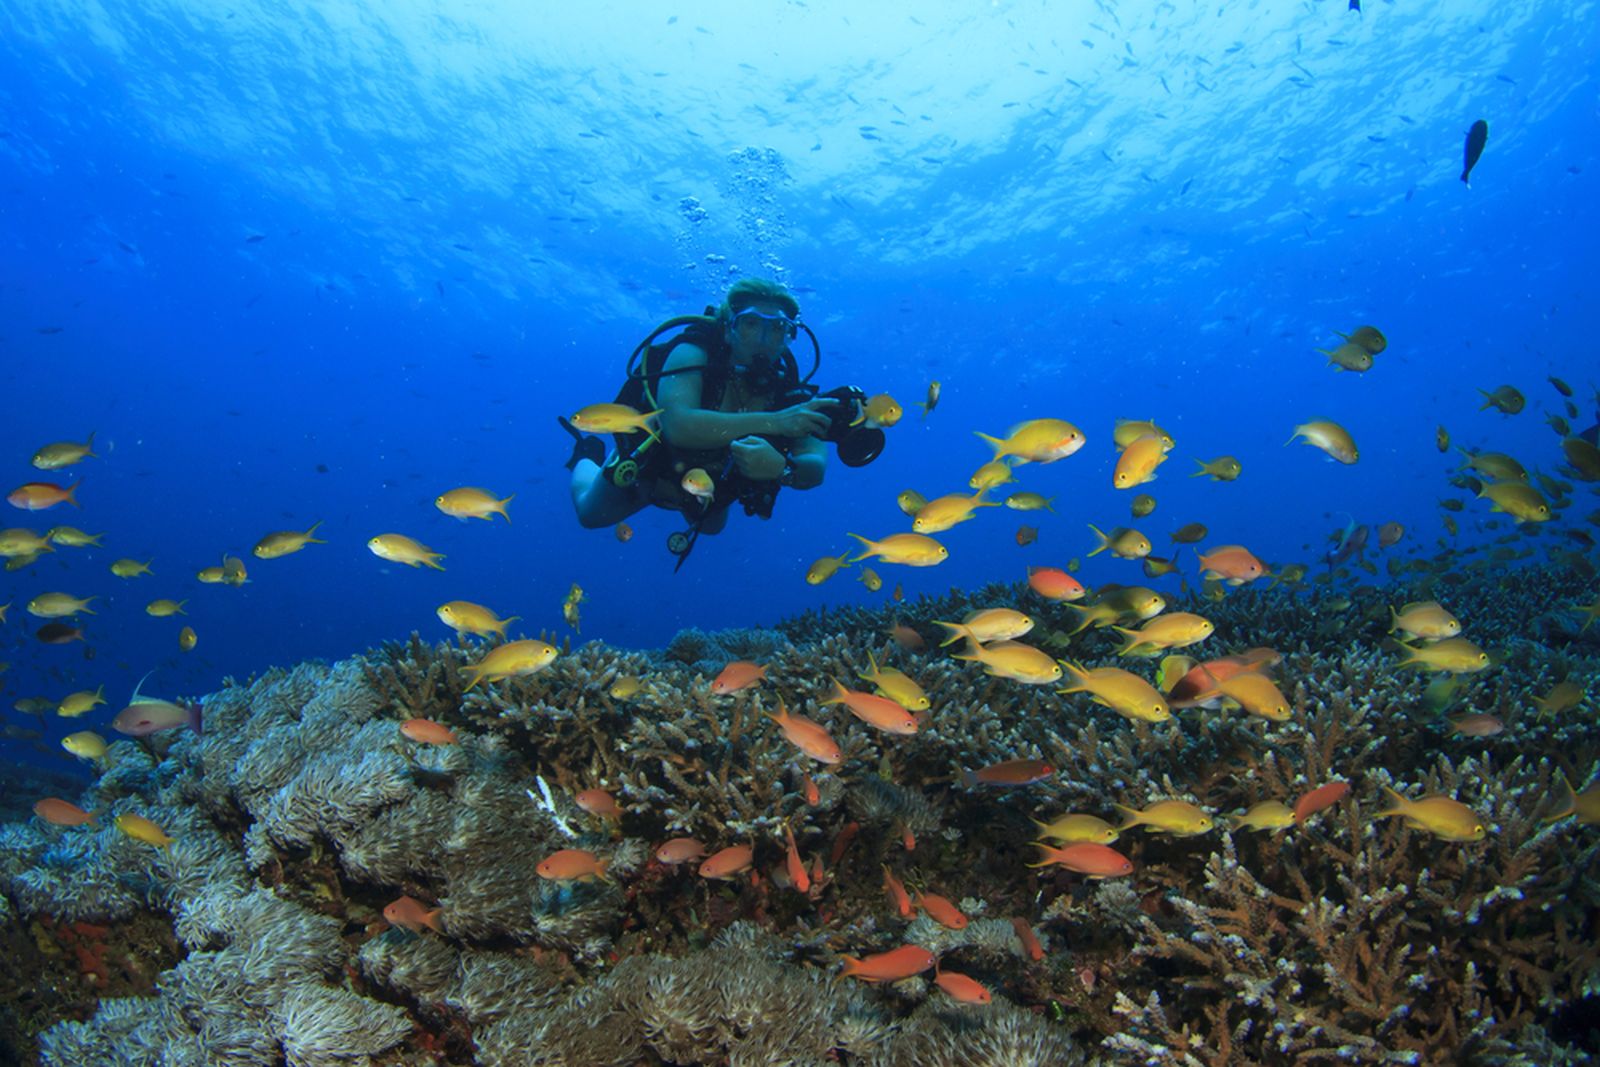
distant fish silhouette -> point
(255, 238)
(50, 329)
(1477, 137)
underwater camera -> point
(857, 445)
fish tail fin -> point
(433, 560)
(1571, 806)
(1105, 542)
(1401, 805)
(1046, 854)
(500, 507)
(972, 654)
(868, 550)
(957, 632)
(311, 538)
(995, 443)
(1131, 817)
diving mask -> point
(752, 324)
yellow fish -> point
(1122, 691)
(1127, 431)
(910, 549)
(233, 572)
(1172, 816)
(1138, 462)
(1455, 654)
(869, 578)
(895, 685)
(84, 700)
(826, 567)
(465, 617)
(398, 548)
(910, 501)
(1179, 629)
(1496, 465)
(1026, 501)
(616, 419)
(1562, 697)
(285, 542)
(1221, 469)
(987, 624)
(187, 639)
(163, 608)
(53, 457)
(514, 659)
(1038, 441)
(941, 513)
(625, 687)
(85, 744)
(1441, 816)
(1142, 505)
(73, 537)
(1585, 805)
(1077, 829)
(17, 542)
(879, 412)
(469, 503)
(1329, 436)
(1267, 815)
(698, 484)
(1256, 694)
(59, 605)
(1124, 542)
(1425, 619)
(141, 829)
(213, 575)
(993, 473)
(1013, 660)
(1522, 502)
(569, 607)
(932, 402)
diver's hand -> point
(757, 459)
(804, 419)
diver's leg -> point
(598, 502)
(714, 521)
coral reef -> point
(304, 811)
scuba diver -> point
(737, 420)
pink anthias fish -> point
(147, 715)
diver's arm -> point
(686, 423)
(809, 458)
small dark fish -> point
(50, 329)
(322, 468)
(126, 247)
(58, 633)
(1477, 137)
(1561, 387)
(439, 286)
(255, 238)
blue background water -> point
(467, 216)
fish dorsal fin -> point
(137, 697)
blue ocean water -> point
(297, 263)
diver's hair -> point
(747, 291)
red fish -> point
(59, 812)
(1011, 772)
(897, 894)
(1096, 861)
(428, 732)
(1234, 564)
(1053, 583)
(572, 865)
(1030, 940)
(794, 866)
(740, 674)
(1324, 796)
(598, 802)
(735, 859)
(413, 915)
(941, 911)
(873, 710)
(891, 966)
(809, 787)
(960, 987)
(842, 842)
(38, 496)
(680, 850)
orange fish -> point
(847, 834)
(874, 710)
(907, 638)
(1052, 583)
(1324, 796)
(1234, 564)
(39, 496)
(907, 838)
(891, 966)
(740, 674)
(941, 911)
(794, 866)
(1030, 940)
(599, 802)
(960, 987)
(1201, 683)
(59, 812)
(413, 914)
(1096, 861)
(1008, 773)
(572, 865)
(735, 859)
(428, 732)
(807, 736)
(624, 532)
(897, 894)
(680, 850)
